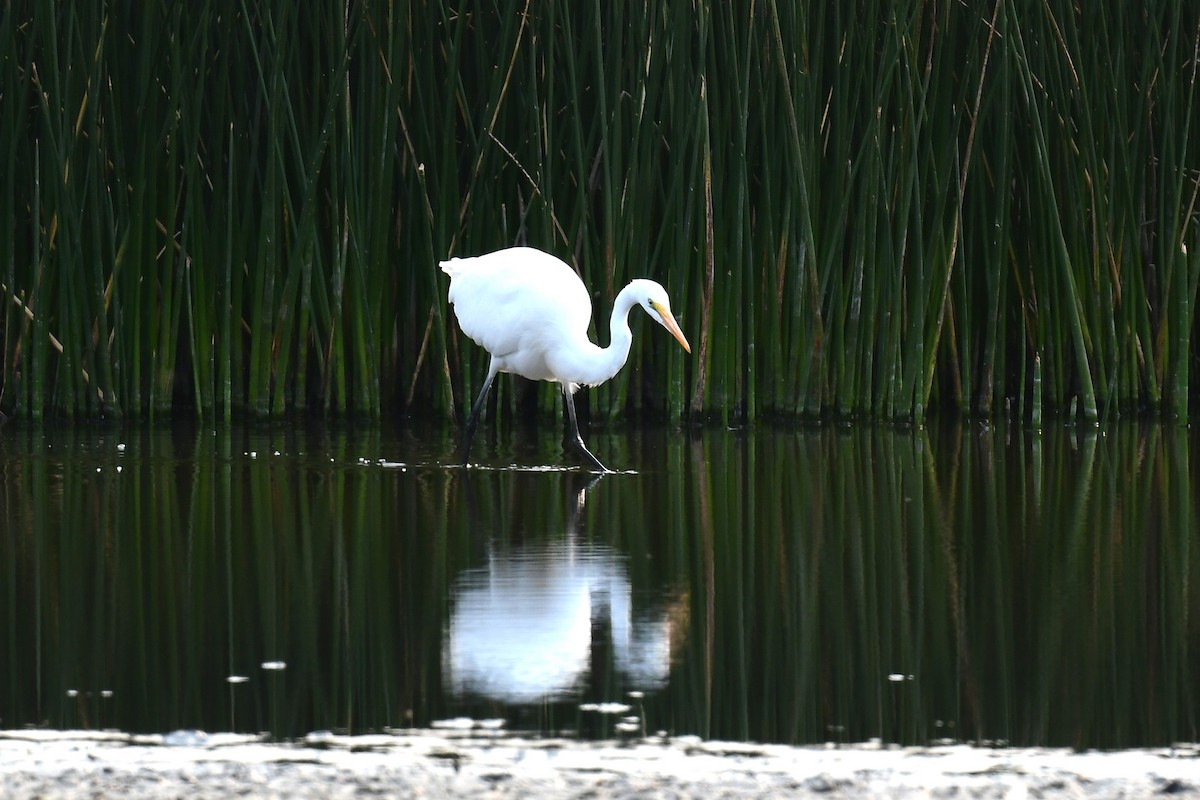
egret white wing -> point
(518, 301)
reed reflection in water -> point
(781, 584)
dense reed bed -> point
(874, 209)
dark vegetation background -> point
(860, 209)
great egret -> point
(531, 312)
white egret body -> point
(531, 312)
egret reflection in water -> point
(522, 626)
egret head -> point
(653, 297)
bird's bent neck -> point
(605, 362)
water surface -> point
(792, 584)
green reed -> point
(227, 207)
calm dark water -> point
(779, 584)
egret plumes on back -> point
(530, 311)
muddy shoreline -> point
(490, 763)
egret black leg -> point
(476, 410)
(578, 440)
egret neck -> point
(593, 364)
